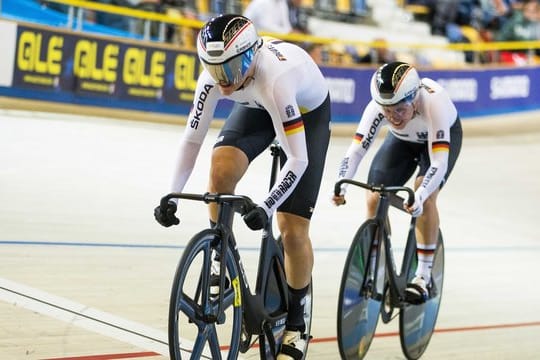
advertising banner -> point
(77, 68)
(491, 91)
(103, 72)
(475, 92)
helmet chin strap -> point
(247, 80)
(414, 104)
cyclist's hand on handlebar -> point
(256, 218)
(417, 208)
(165, 216)
(339, 200)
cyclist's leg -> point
(246, 133)
(393, 164)
(427, 228)
(295, 213)
(426, 231)
(427, 225)
(228, 165)
(293, 219)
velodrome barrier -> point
(49, 64)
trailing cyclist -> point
(425, 133)
(279, 93)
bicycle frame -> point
(370, 269)
(265, 311)
(396, 281)
(387, 198)
(262, 310)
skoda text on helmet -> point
(226, 46)
(394, 82)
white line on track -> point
(82, 316)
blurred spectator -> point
(318, 52)
(297, 16)
(523, 25)
(495, 13)
(137, 25)
(463, 35)
(183, 36)
(379, 53)
(54, 6)
(112, 20)
(444, 12)
(275, 16)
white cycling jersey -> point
(286, 83)
(435, 114)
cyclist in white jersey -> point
(279, 93)
(424, 132)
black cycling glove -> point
(256, 218)
(165, 216)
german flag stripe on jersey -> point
(440, 146)
(358, 138)
(293, 126)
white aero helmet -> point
(226, 46)
(394, 82)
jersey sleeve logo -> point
(276, 52)
(289, 110)
(440, 134)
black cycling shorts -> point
(396, 159)
(251, 130)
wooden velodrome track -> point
(85, 272)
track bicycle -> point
(209, 326)
(371, 285)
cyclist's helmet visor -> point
(232, 71)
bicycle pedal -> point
(214, 286)
(221, 318)
(209, 318)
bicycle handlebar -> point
(395, 200)
(241, 204)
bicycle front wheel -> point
(358, 305)
(196, 327)
(417, 322)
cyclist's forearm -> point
(286, 182)
(184, 165)
(349, 164)
(434, 175)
